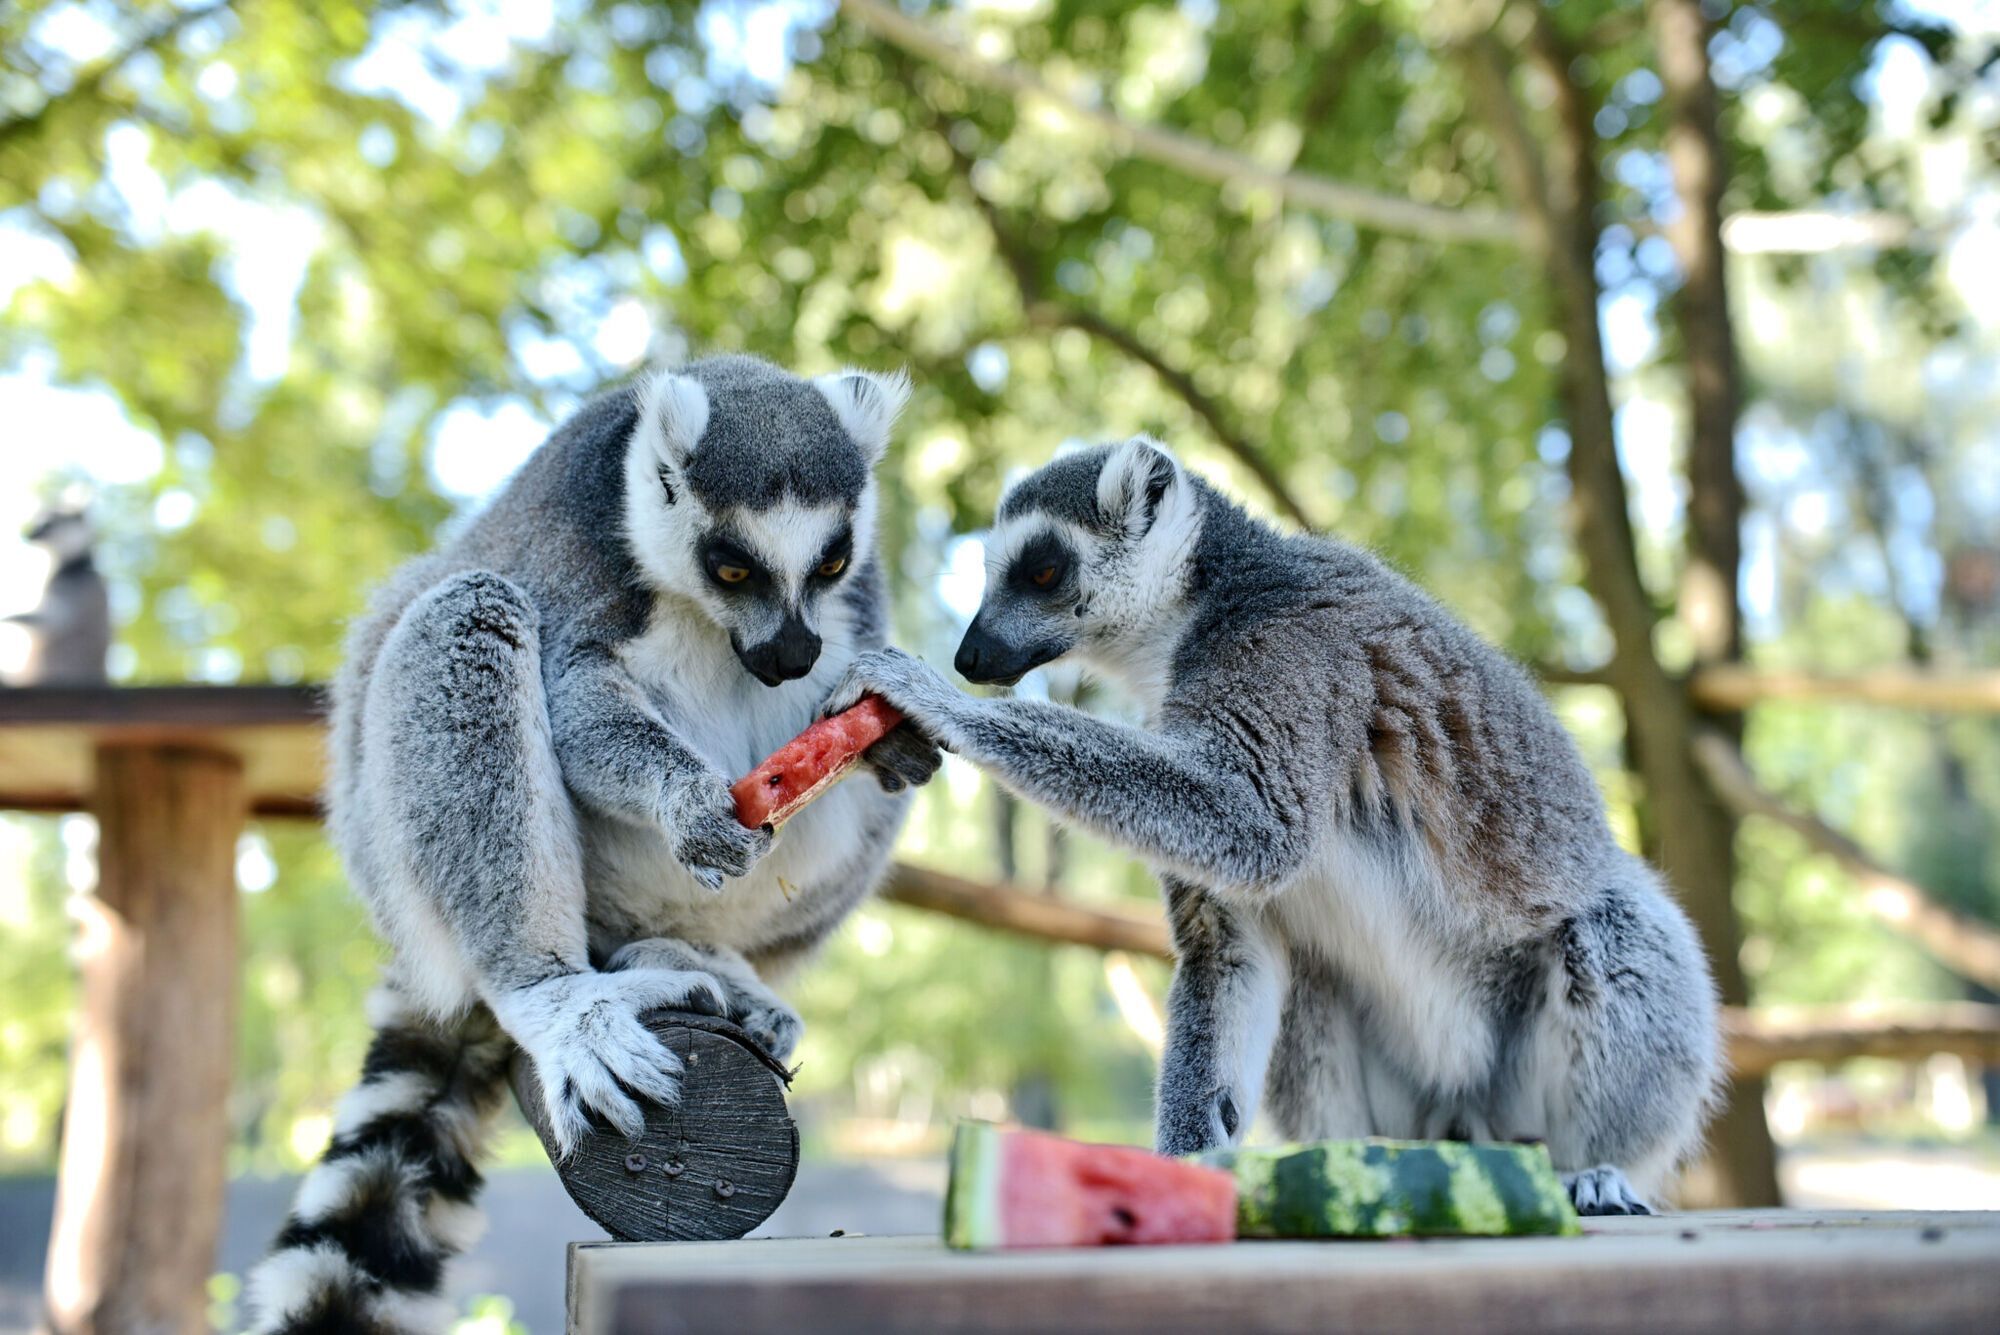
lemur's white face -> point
(1090, 556)
(66, 534)
(739, 542)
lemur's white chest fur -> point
(733, 721)
(1385, 922)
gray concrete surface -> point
(529, 1223)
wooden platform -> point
(1738, 1271)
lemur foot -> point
(589, 1047)
(775, 1026)
(1603, 1190)
(707, 839)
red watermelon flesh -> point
(811, 762)
(1016, 1188)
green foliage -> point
(466, 229)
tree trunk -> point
(1743, 1163)
(1694, 833)
(140, 1197)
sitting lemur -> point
(532, 744)
(1395, 902)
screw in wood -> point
(724, 1188)
(635, 1163)
(673, 1168)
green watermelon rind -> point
(972, 1194)
(1396, 1188)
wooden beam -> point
(48, 736)
(1761, 1038)
(145, 1129)
(1733, 687)
(1737, 687)
(1828, 1272)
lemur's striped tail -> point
(364, 1250)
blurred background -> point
(1661, 341)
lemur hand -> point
(907, 682)
(702, 829)
(906, 758)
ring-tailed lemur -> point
(532, 742)
(1387, 870)
(69, 631)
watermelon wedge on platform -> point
(1396, 1189)
(811, 762)
(1016, 1188)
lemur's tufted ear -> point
(673, 413)
(1137, 479)
(866, 404)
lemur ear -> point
(866, 404)
(1135, 482)
(673, 413)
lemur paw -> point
(1603, 1190)
(1189, 1126)
(774, 1026)
(904, 680)
(589, 1046)
(906, 758)
(706, 837)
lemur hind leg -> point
(1318, 1084)
(477, 836)
(1222, 1019)
(763, 1014)
(1618, 1067)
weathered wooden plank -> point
(713, 1166)
(146, 1126)
(1828, 1273)
(49, 735)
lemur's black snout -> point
(985, 658)
(786, 656)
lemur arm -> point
(1185, 798)
(623, 759)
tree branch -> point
(1799, 232)
(1963, 944)
(1020, 263)
(1025, 913)
(1196, 157)
(92, 80)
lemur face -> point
(66, 533)
(1089, 553)
(749, 492)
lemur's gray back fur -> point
(1384, 859)
(532, 741)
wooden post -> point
(139, 1198)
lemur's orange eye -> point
(1045, 577)
(831, 568)
(731, 574)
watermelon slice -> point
(1396, 1188)
(1015, 1188)
(811, 762)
